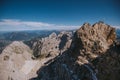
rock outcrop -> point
(47, 46)
(92, 41)
(52, 45)
(12, 59)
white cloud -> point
(11, 22)
(37, 24)
(117, 27)
(33, 25)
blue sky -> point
(56, 14)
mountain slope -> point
(12, 60)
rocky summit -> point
(92, 41)
(90, 53)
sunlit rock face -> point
(12, 59)
(94, 40)
(46, 46)
(52, 45)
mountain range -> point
(89, 53)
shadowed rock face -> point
(94, 40)
(108, 64)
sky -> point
(56, 14)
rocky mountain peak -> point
(93, 40)
(53, 35)
(51, 45)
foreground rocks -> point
(107, 65)
(12, 59)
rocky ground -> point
(92, 53)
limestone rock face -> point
(65, 40)
(93, 40)
(52, 45)
(12, 59)
(46, 46)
